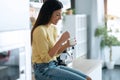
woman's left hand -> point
(71, 42)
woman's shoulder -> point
(43, 27)
(40, 29)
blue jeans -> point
(52, 71)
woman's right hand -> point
(64, 37)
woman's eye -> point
(57, 14)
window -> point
(112, 12)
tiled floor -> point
(113, 74)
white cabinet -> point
(92, 68)
(77, 26)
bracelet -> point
(64, 43)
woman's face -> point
(56, 16)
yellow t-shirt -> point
(44, 39)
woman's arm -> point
(59, 44)
(64, 47)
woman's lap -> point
(74, 71)
(59, 73)
(53, 72)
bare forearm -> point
(63, 47)
(55, 49)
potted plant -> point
(107, 40)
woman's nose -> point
(60, 17)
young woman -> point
(45, 47)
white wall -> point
(14, 14)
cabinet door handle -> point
(22, 72)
